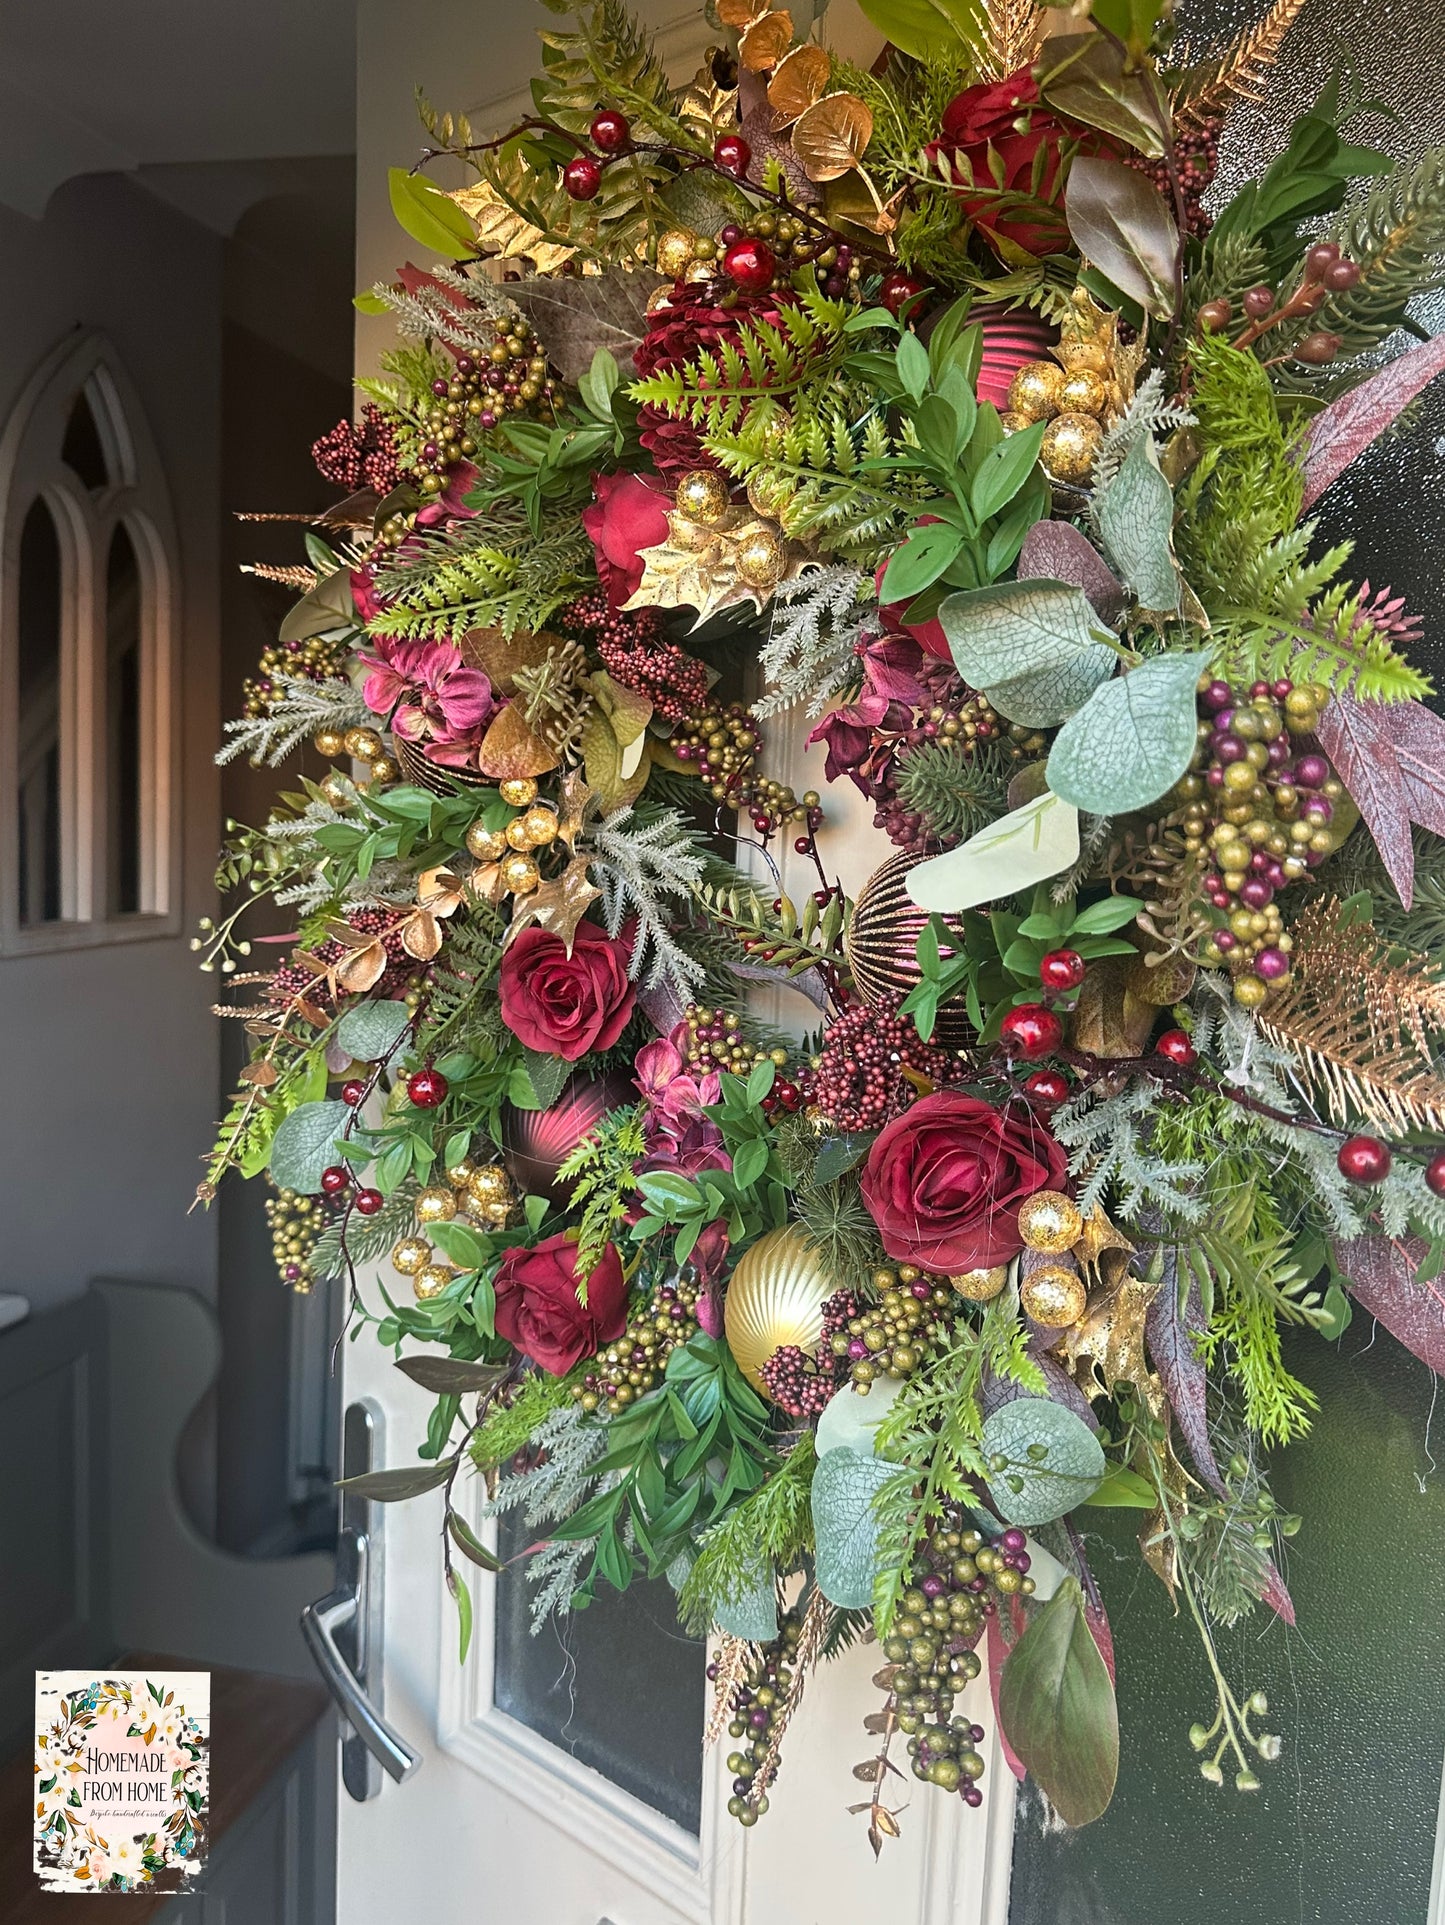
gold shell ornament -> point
(776, 1297)
(882, 946)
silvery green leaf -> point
(1132, 740)
(305, 1145)
(753, 1615)
(849, 1422)
(1136, 516)
(845, 1527)
(371, 1031)
(1024, 847)
(1030, 646)
(1054, 1460)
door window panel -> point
(38, 718)
(123, 724)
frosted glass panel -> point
(38, 718)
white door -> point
(501, 1822)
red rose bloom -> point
(537, 1307)
(565, 1005)
(1000, 126)
(944, 1181)
(629, 513)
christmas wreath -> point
(940, 411)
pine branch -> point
(956, 788)
(303, 708)
(1396, 233)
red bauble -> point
(750, 264)
(535, 1143)
(427, 1088)
(1031, 1031)
(1047, 1086)
(368, 1202)
(582, 178)
(732, 153)
(1364, 1159)
(610, 131)
(1176, 1046)
(897, 288)
(352, 1092)
(1435, 1173)
(335, 1180)
(1062, 969)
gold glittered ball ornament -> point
(674, 251)
(981, 1286)
(489, 1184)
(411, 1255)
(1069, 446)
(1034, 390)
(431, 1280)
(487, 845)
(520, 874)
(364, 744)
(768, 494)
(435, 1205)
(1050, 1222)
(384, 770)
(1053, 1296)
(703, 496)
(461, 1174)
(760, 558)
(1083, 392)
(775, 1297)
(540, 824)
(329, 742)
(337, 790)
(1012, 423)
(516, 833)
(518, 791)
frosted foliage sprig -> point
(563, 1479)
(426, 314)
(1108, 1147)
(809, 652)
(389, 881)
(303, 708)
(640, 867)
(1149, 413)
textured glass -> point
(123, 723)
(618, 1686)
(38, 719)
(81, 450)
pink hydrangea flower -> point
(432, 697)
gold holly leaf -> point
(506, 234)
(798, 81)
(703, 567)
(830, 137)
(511, 747)
(556, 906)
(765, 41)
(1102, 1248)
(576, 805)
(705, 106)
(1106, 1346)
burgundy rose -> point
(944, 1181)
(994, 133)
(629, 513)
(566, 1006)
(537, 1307)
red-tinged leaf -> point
(1381, 1273)
(1276, 1596)
(1419, 742)
(1058, 551)
(998, 1650)
(1359, 739)
(1056, 1703)
(1095, 1615)
(1346, 427)
(1170, 1330)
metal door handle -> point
(341, 1612)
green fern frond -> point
(761, 359)
(484, 573)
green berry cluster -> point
(296, 1223)
(760, 1709)
(895, 1335)
(634, 1363)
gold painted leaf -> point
(739, 13)
(799, 80)
(511, 748)
(422, 936)
(1109, 1019)
(852, 201)
(507, 235)
(362, 969)
(766, 41)
(556, 906)
(831, 137)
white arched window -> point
(87, 662)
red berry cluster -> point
(635, 651)
(860, 1081)
(1196, 157)
(359, 454)
(803, 1382)
(294, 978)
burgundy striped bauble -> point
(882, 946)
(432, 776)
(1010, 337)
(535, 1143)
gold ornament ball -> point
(674, 251)
(487, 845)
(768, 495)
(1069, 446)
(701, 271)
(1053, 1296)
(1050, 1221)
(431, 1280)
(1034, 390)
(1093, 355)
(435, 1205)
(516, 833)
(461, 1174)
(520, 875)
(760, 558)
(1083, 392)
(775, 1297)
(489, 1184)
(496, 1213)
(330, 743)
(518, 791)
(365, 744)
(383, 769)
(703, 496)
(411, 1255)
(1012, 423)
(981, 1286)
(337, 790)
(540, 824)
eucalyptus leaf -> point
(1136, 519)
(1024, 847)
(850, 1421)
(845, 1527)
(371, 1031)
(1119, 221)
(1030, 645)
(1053, 1460)
(1132, 740)
(754, 1613)
(305, 1145)
(1056, 1706)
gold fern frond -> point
(1013, 32)
(1362, 1022)
(302, 579)
(1240, 72)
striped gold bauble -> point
(775, 1297)
(882, 946)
